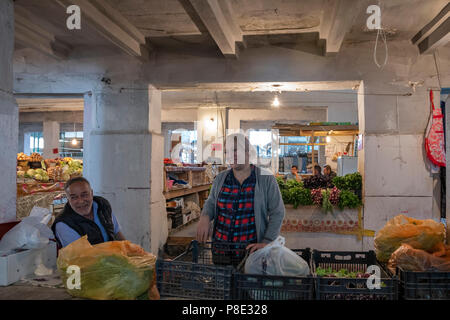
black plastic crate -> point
(337, 288)
(203, 271)
(430, 285)
(179, 279)
(268, 287)
(214, 253)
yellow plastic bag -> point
(109, 270)
(410, 259)
(420, 234)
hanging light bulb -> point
(276, 102)
(74, 140)
(328, 139)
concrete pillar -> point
(9, 117)
(123, 157)
(26, 143)
(51, 139)
(397, 174)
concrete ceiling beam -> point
(113, 26)
(31, 35)
(435, 34)
(218, 19)
(337, 19)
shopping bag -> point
(276, 259)
(410, 259)
(419, 234)
(107, 271)
(31, 233)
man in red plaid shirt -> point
(245, 202)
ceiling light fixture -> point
(328, 138)
(74, 140)
(276, 102)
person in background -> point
(317, 170)
(330, 174)
(85, 214)
(245, 202)
(293, 175)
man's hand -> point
(255, 246)
(203, 229)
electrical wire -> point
(383, 37)
(437, 70)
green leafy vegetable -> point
(326, 204)
(348, 199)
(300, 196)
(352, 181)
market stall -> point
(317, 143)
(40, 182)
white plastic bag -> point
(31, 233)
(276, 259)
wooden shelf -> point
(316, 130)
(183, 192)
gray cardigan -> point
(268, 204)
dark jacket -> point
(84, 226)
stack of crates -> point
(213, 271)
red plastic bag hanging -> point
(434, 140)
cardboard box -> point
(16, 266)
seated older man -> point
(85, 214)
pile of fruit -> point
(23, 157)
(59, 169)
(35, 157)
(37, 174)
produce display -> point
(59, 169)
(301, 193)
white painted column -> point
(397, 175)
(51, 139)
(9, 116)
(123, 158)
